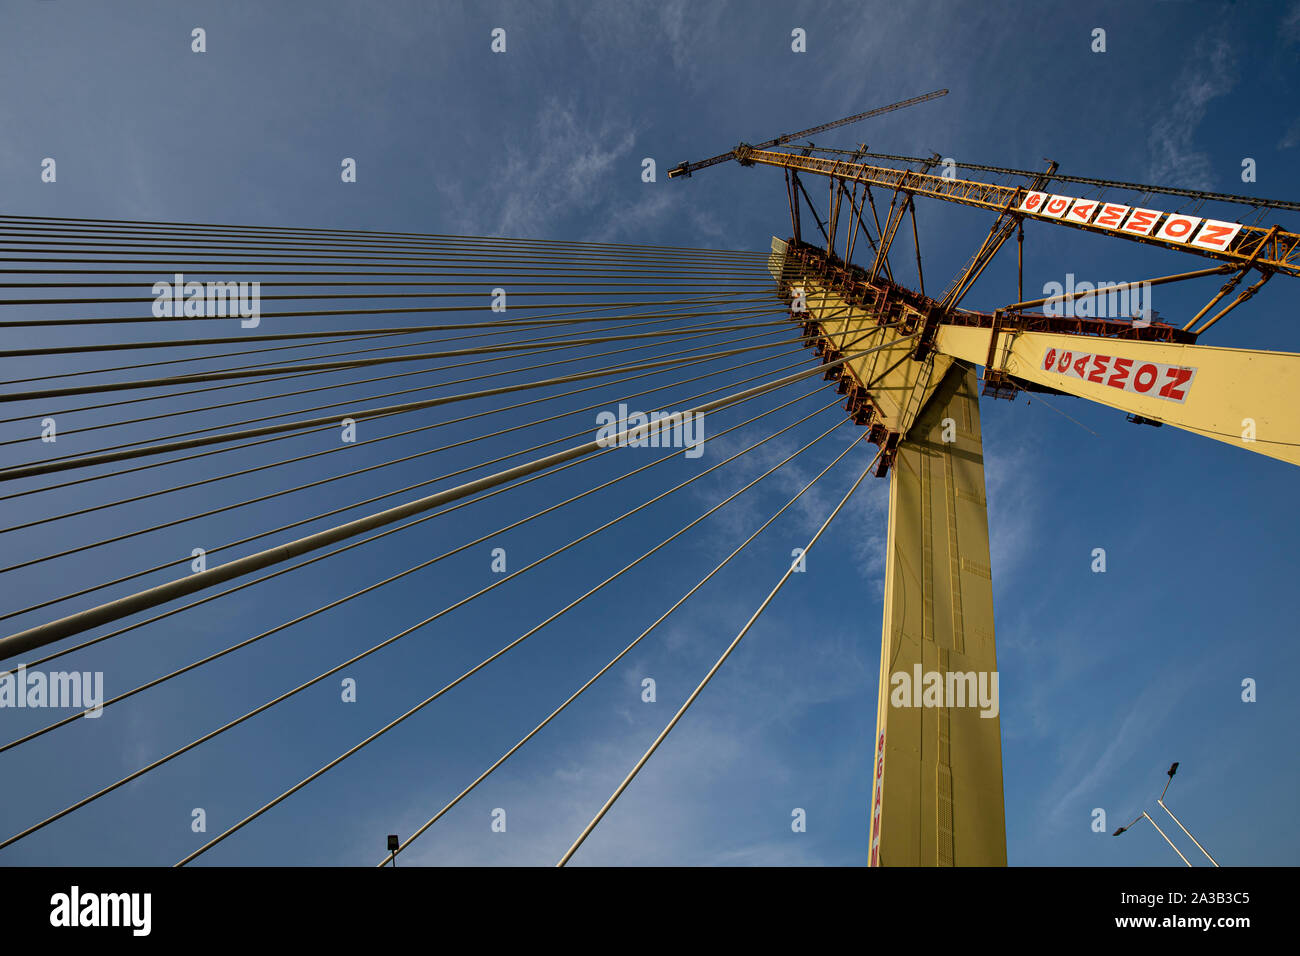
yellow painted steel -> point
(1245, 397)
(899, 385)
(1277, 249)
(937, 795)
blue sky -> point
(1105, 678)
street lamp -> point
(1173, 770)
(1158, 830)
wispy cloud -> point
(616, 34)
(568, 174)
(562, 174)
(1291, 138)
(689, 29)
(1211, 72)
(679, 809)
(1097, 752)
(1291, 24)
(659, 207)
(1012, 502)
(559, 170)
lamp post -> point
(1158, 830)
(1172, 770)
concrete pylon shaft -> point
(937, 790)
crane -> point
(740, 153)
(908, 368)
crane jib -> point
(741, 152)
(1212, 234)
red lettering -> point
(1141, 221)
(1120, 376)
(1049, 358)
(1081, 365)
(1178, 227)
(1212, 235)
(1099, 363)
(1177, 377)
(1082, 211)
(1066, 358)
(1151, 374)
(1110, 215)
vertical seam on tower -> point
(943, 797)
(927, 549)
(954, 558)
(927, 604)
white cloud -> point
(681, 807)
(1291, 138)
(1174, 159)
(561, 169)
(574, 170)
(1291, 24)
(1012, 502)
(1096, 753)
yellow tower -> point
(938, 751)
(938, 766)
